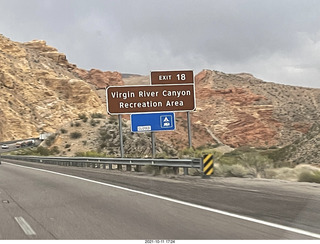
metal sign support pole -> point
(121, 136)
(189, 129)
(153, 142)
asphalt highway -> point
(55, 202)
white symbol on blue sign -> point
(166, 121)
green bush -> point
(238, 170)
(83, 117)
(313, 176)
(199, 152)
(43, 151)
(93, 122)
(55, 150)
(49, 141)
(113, 120)
(75, 135)
(97, 115)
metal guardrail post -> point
(138, 168)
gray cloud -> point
(274, 40)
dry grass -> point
(292, 174)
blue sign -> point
(148, 122)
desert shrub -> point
(75, 135)
(94, 122)
(83, 117)
(63, 131)
(244, 161)
(270, 174)
(113, 120)
(105, 135)
(162, 155)
(239, 170)
(43, 151)
(199, 152)
(256, 161)
(103, 145)
(236, 170)
(55, 150)
(222, 170)
(49, 141)
(311, 176)
(97, 115)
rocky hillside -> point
(304, 150)
(40, 89)
(96, 135)
(241, 110)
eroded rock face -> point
(38, 91)
(241, 110)
(100, 79)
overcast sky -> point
(276, 41)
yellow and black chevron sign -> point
(208, 164)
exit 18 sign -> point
(172, 77)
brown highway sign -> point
(145, 99)
(172, 77)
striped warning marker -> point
(208, 164)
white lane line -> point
(25, 226)
(262, 222)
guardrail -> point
(110, 162)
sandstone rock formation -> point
(100, 79)
(241, 110)
(39, 90)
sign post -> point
(153, 142)
(121, 136)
